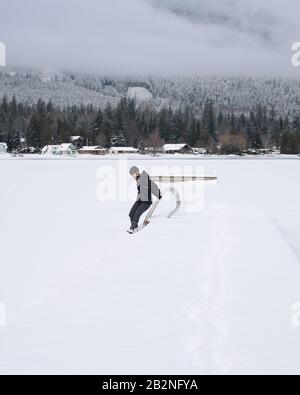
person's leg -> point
(143, 207)
(133, 210)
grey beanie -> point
(133, 170)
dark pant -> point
(137, 211)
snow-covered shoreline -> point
(149, 157)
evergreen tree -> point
(256, 142)
(290, 143)
(35, 131)
(126, 123)
(209, 121)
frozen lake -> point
(214, 290)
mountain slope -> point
(231, 95)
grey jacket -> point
(146, 188)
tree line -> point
(44, 124)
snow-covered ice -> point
(211, 291)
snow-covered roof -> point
(123, 149)
(174, 147)
(66, 146)
(92, 148)
(74, 138)
(58, 148)
(50, 148)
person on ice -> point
(146, 188)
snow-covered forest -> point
(236, 95)
(134, 119)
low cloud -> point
(177, 37)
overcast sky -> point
(225, 37)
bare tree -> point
(154, 142)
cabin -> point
(77, 141)
(123, 150)
(67, 149)
(93, 150)
(177, 149)
(3, 148)
(62, 149)
(50, 149)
